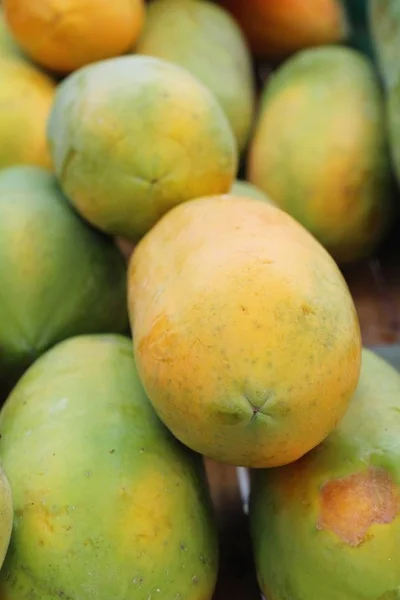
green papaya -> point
(320, 149)
(385, 26)
(327, 526)
(246, 189)
(58, 276)
(206, 40)
(108, 505)
(384, 20)
(6, 514)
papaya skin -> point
(58, 276)
(277, 28)
(205, 39)
(125, 512)
(320, 149)
(245, 189)
(64, 36)
(6, 514)
(26, 97)
(245, 334)
(134, 136)
(338, 507)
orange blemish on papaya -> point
(351, 505)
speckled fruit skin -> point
(6, 514)
(320, 149)
(134, 136)
(278, 28)
(107, 504)
(58, 277)
(26, 97)
(246, 337)
(205, 39)
(337, 508)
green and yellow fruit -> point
(204, 39)
(245, 189)
(26, 96)
(8, 46)
(385, 27)
(320, 149)
(246, 337)
(337, 508)
(6, 514)
(134, 136)
(58, 277)
(107, 504)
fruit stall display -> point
(199, 300)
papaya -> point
(277, 28)
(246, 189)
(204, 39)
(245, 333)
(133, 136)
(6, 514)
(58, 277)
(337, 508)
(385, 27)
(26, 96)
(107, 504)
(320, 149)
(63, 36)
(384, 18)
(8, 46)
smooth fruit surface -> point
(107, 504)
(246, 337)
(64, 36)
(320, 149)
(204, 39)
(58, 277)
(338, 507)
(134, 136)
(245, 189)
(277, 28)
(6, 514)
(26, 96)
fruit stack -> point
(181, 183)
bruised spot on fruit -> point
(351, 505)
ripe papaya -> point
(320, 149)
(338, 507)
(242, 324)
(107, 504)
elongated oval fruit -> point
(204, 39)
(338, 507)
(107, 504)
(58, 276)
(246, 337)
(320, 149)
(133, 136)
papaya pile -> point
(183, 184)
